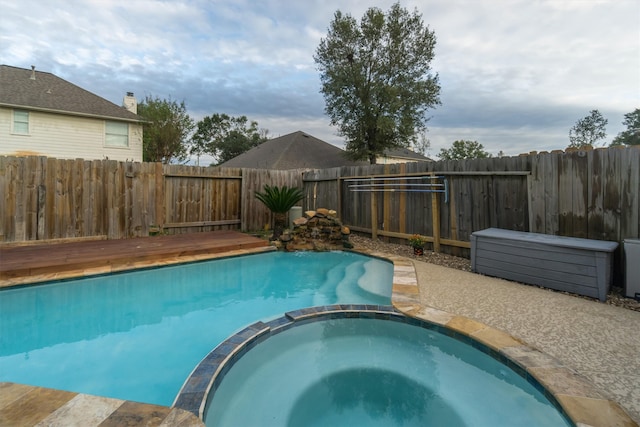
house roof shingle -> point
(297, 150)
(47, 92)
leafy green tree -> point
(588, 130)
(226, 137)
(166, 132)
(464, 149)
(279, 200)
(631, 136)
(376, 79)
(422, 145)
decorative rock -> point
(318, 230)
(335, 235)
(276, 244)
(320, 246)
(286, 237)
(300, 221)
(292, 246)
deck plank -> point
(38, 259)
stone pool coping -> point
(580, 400)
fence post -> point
(402, 206)
(435, 220)
(386, 204)
(374, 215)
(339, 192)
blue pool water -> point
(138, 335)
(363, 371)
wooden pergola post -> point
(374, 215)
(435, 220)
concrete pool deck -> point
(584, 352)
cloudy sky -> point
(516, 75)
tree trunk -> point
(279, 224)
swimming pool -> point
(138, 335)
(371, 366)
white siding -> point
(386, 160)
(65, 137)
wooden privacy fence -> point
(591, 194)
(46, 198)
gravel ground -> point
(615, 297)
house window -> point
(21, 122)
(116, 134)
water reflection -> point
(40, 316)
(373, 379)
(368, 395)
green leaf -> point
(279, 199)
(377, 80)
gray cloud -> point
(515, 75)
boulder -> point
(285, 237)
(300, 221)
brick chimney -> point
(130, 103)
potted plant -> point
(417, 241)
(279, 200)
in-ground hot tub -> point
(362, 365)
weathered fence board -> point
(200, 199)
(590, 194)
(599, 202)
(630, 196)
(47, 198)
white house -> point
(400, 155)
(44, 115)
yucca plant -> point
(279, 200)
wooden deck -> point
(30, 263)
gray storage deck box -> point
(581, 266)
(632, 271)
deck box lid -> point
(547, 239)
